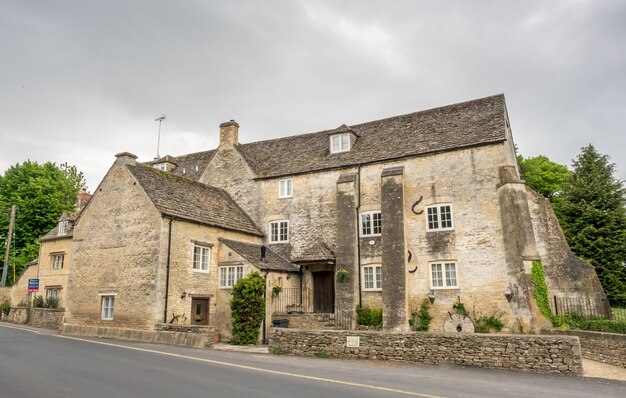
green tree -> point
(543, 175)
(248, 308)
(592, 213)
(41, 193)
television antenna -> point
(160, 119)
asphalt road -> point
(38, 364)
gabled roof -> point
(252, 253)
(316, 251)
(181, 197)
(465, 124)
(69, 229)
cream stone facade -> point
(428, 205)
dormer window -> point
(340, 143)
(63, 228)
(160, 166)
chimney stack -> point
(83, 199)
(126, 158)
(229, 134)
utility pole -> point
(8, 248)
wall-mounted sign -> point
(33, 285)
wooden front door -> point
(323, 292)
(200, 311)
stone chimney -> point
(126, 158)
(229, 134)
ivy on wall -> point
(541, 290)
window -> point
(229, 275)
(340, 143)
(107, 307)
(372, 277)
(160, 166)
(63, 228)
(53, 292)
(57, 260)
(201, 258)
(439, 217)
(285, 188)
(371, 223)
(443, 275)
(279, 231)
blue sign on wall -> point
(33, 285)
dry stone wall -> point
(604, 347)
(542, 354)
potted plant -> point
(295, 308)
(276, 291)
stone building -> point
(53, 266)
(152, 247)
(423, 205)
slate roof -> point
(181, 197)
(190, 166)
(252, 253)
(316, 251)
(69, 230)
(465, 124)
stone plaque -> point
(353, 341)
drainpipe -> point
(167, 268)
(358, 230)
(265, 303)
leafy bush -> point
(39, 302)
(52, 302)
(367, 316)
(460, 309)
(486, 324)
(575, 321)
(5, 307)
(248, 309)
(420, 320)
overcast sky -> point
(83, 80)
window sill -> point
(373, 290)
(445, 288)
(440, 230)
(279, 243)
(201, 271)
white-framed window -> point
(53, 292)
(201, 258)
(285, 188)
(62, 228)
(279, 231)
(108, 302)
(56, 260)
(443, 275)
(372, 277)
(371, 223)
(229, 275)
(340, 143)
(160, 166)
(439, 217)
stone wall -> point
(5, 294)
(195, 329)
(19, 315)
(542, 354)
(195, 340)
(604, 347)
(51, 318)
(55, 278)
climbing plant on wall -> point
(248, 309)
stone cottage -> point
(153, 247)
(423, 205)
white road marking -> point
(19, 328)
(261, 370)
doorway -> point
(199, 311)
(323, 292)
